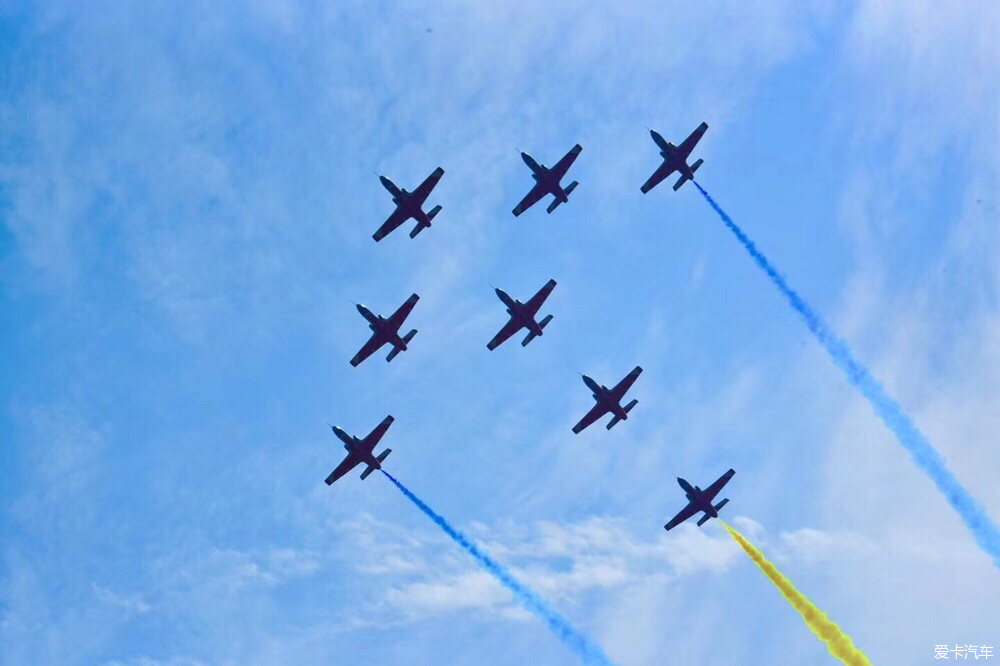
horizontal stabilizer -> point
(417, 229)
(694, 167)
(545, 322)
(570, 187)
(385, 454)
(409, 336)
(368, 470)
(614, 422)
(437, 209)
(721, 504)
(531, 336)
(395, 351)
(704, 519)
(680, 182)
(629, 406)
(552, 206)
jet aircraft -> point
(675, 159)
(385, 331)
(360, 451)
(409, 205)
(609, 400)
(547, 181)
(700, 500)
(522, 315)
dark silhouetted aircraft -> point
(700, 500)
(385, 331)
(522, 315)
(609, 400)
(675, 159)
(360, 451)
(547, 181)
(409, 205)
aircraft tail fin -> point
(704, 519)
(437, 209)
(684, 179)
(395, 350)
(721, 504)
(629, 406)
(368, 470)
(531, 336)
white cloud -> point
(131, 604)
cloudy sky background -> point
(187, 200)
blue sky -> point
(188, 200)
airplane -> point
(609, 400)
(385, 331)
(700, 500)
(675, 159)
(360, 451)
(547, 181)
(522, 315)
(409, 205)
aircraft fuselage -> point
(357, 448)
(404, 201)
(671, 155)
(602, 394)
(696, 495)
(544, 177)
(398, 195)
(515, 308)
(380, 327)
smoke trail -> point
(837, 642)
(589, 651)
(887, 409)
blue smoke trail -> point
(589, 651)
(887, 409)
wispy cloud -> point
(130, 604)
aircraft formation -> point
(522, 316)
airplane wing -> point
(424, 189)
(689, 143)
(509, 329)
(368, 349)
(622, 387)
(396, 320)
(530, 199)
(683, 515)
(714, 489)
(349, 463)
(596, 412)
(563, 165)
(394, 220)
(375, 435)
(661, 172)
(536, 301)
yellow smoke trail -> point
(837, 642)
